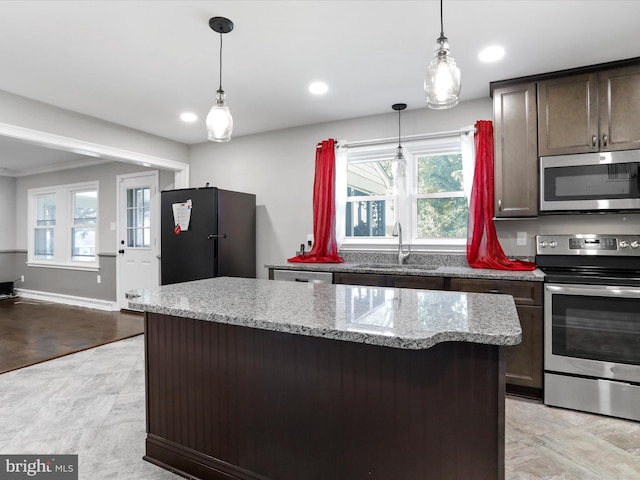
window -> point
(83, 231)
(138, 217)
(63, 226)
(431, 203)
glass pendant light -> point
(442, 83)
(399, 165)
(219, 121)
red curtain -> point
(325, 247)
(483, 247)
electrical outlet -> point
(22, 278)
(309, 239)
(521, 238)
(98, 279)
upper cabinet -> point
(589, 112)
(515, 151)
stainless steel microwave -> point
(590, 182)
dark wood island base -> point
(229, 402)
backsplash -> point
(439, 260)
(427, 259)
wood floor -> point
(33, 331)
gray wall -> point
(8, 233)
(279, 168)
(73, 282)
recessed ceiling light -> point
(318, 88)
(188, 117)
(491, 54)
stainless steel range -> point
(592, 322)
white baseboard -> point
(68, 299)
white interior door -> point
(138, 265)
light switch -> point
(521, 238)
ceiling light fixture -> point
(491, 54)
(188, 117)
(442, 83)
(399, 162)
(318, 88)
(219, 120)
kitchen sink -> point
(394, 266)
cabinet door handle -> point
(605, 140)
(499, 205)
(594, 141)
(493, 290)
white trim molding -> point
(94, 303)
(91, 149)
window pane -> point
(139, 201)
(138, 237)
(147, 196)
(83, 244)
(46, 210)
(442, 217)
(369, 178)
(43, 243)
(85, 207)
(369, 218)
(147, 217)
(440, 173)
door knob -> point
(121, 251)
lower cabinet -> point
(398, 281)
(524, 361)
(524, 369)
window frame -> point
(63, 228)
(406, 197)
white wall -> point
(279, 167)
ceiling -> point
(142, 63)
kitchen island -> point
(258, 379)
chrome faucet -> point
(397, 232)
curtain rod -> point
(422, 136)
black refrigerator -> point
(207, 232)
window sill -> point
(66, 266)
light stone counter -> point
(424, 270)
(392, 317)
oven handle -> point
(595, 290)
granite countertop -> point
(391, 317)
(459, 271)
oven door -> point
(593, 330)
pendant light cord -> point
(220, 89)
(399, 127)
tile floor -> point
(92, 403)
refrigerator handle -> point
(212, 236)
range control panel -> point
(588, 244)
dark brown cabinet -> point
(524, 369)
(399, 281)
(590, 112)
(515, 151)
(524, 362)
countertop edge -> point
(415, 270)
